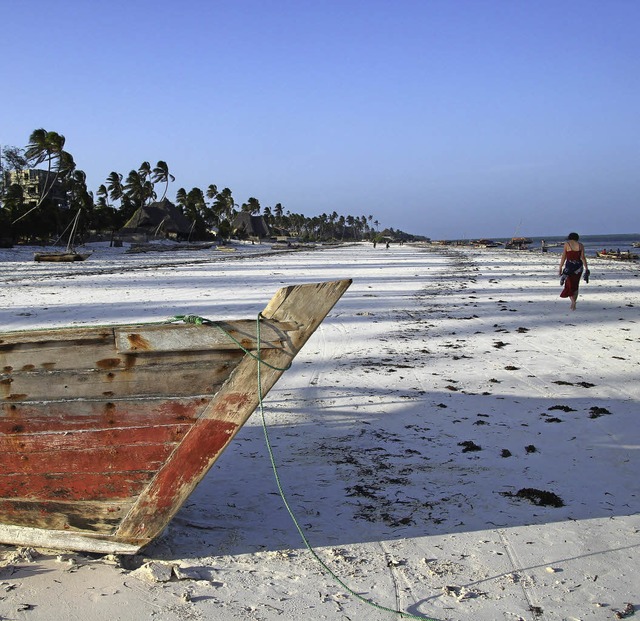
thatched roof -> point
(250, 225)
(150, 217)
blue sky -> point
(444, 118)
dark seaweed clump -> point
(538, 497)
(469, 445)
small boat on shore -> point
(69, 255)
(616, 255)
(106, 431)
(518, 243)
(61, 257)
(486, 243)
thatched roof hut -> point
(250, 225)
(157, 220)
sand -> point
(453, 441)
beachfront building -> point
(34, 183)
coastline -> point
(430, 353)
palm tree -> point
(48, 146)
(223, 205)
(161, 174)
(252, 205)
(181, 199)
(115, 187)
(194, 208)
(138, 189)
(277, 210)
(341, 223)
(103, 196)
(351, 224)
(144, 171)
(79, 196)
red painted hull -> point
(104, 432)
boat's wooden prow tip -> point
(306, 301)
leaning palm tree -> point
(181, 199)
(103, 196)
(138, 189)
(48, 146)
(224, 204)
(252, 205)
(79, 196)
(161, 174)
(277, 210)
(145, 170)
(115, 187)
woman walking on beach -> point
(572, 263)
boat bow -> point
(105, 432)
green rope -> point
(293, 517)
(197, 320)
(203, 321)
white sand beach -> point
(419, 437)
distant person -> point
(387, 246)
(572, 263)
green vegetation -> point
(36, 204)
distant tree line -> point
(28, 214)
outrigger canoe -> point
(106, 431)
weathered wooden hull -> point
(105, 431)
(60, 257)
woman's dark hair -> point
(573, 236)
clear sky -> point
(444, 118)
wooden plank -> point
(55, 441)
(95, 347)
(49, 338)
(98, 517)
(63, 416)
(74, 486)
(104, 459)
(302, 305)
(223, 335)
(63, 540)
(174, 380)
(30, 358)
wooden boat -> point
(518, 243)
(61, 257)
(617, 256)
(64, 256)
(485, 243)
(105, 431)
